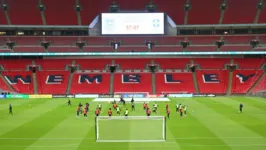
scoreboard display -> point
(132, 23)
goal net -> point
(130, 129)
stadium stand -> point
(89, 11)
(3, 86)
(21, 81)
(212, 81)
(238, 39)
(262, 18)
(53, 64)
(211, 63)
(24, 13)
(87, 85)
(261, 86)
(29, 49)
(132, 82)
(249, 63)
(60, 12)
(52, 82)
(132, 63)
(201, 48)
(92, 64)
(172, 63)
(243, 80)
(63, 49)
(235, 14)
(175, 9)
(15, 64)
(174, 83)
(2, 17)
(98, 49)
(211, 15)
(235, 48)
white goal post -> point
(130, 129)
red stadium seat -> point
(243, 80)
(185, 85)
(261, 86)
(87, 87)
(212, 81)
(145, 84)
(20, 86)
(46, 87)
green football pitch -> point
(211, 124)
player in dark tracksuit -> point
(241, 107)
(69, 102)
(10, 109)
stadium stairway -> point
(257, 82)
(70, 79)
(230, 79)
(10, 88)
(34, 76)
(195, 80)
(112, 78)
(222, 13)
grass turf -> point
(211, 124)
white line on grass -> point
(186, 138)
(136, 146)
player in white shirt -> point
(118, 110)
(126, 112)
(155, 106)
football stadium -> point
(132, 74)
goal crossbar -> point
(119, 118)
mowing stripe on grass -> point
(17, 120)
(249, 109)
(223, 126)
(244, 119)
(259, 104)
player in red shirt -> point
(181, 112)
(166, 106)
(97, 112)
(114, 106)
(148, 112)
(145, 105)
(85, 113)
(168, 112)
(110, 112)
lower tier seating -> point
(261, 86)
(174, 83)
(132, 82)
(243, 80)
(90, 83)
(52, 82)
(212, 81)
(21, 81)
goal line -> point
(128, 141)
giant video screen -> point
(132, 23)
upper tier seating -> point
(53, 64)
(174, 83)
(24, 12)
(249, 63)
(261, 86)
(200, 15)
(235, 48)
(132, 63)
(15, 64)
(212, 81)
(64, 49)
(132, 82)
(19, 81)
(29, 49)
(262, 18)
(211, 63)
(172, 63)
(93, 64)
(100, 85)
(243, 80)
(52, 82)
(240, 11)
(60, 12)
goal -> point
(130, 129)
